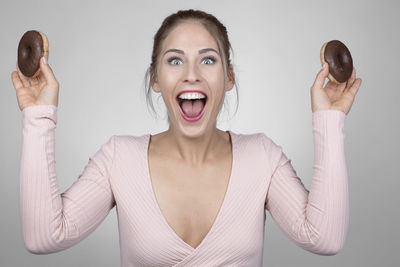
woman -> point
(193, 195)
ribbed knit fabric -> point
(262, 179)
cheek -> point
(167, 79)
(214, 76)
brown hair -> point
(212, 25)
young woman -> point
(193, 195)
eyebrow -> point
(201, 51)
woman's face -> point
(190, 60)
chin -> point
(192, 129)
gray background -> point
(99, 51)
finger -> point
(16, 80)
(321, 76)
(47, 72)
(354, 88)
(23, 78)
(351, 80)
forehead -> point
(189, 35)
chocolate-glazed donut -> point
(32, 46)
(338, 56)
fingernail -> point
(44, 60)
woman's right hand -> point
(41, 90)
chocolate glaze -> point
(339, 59)
(30, 50)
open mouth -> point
(192, 109)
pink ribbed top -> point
(262, 178)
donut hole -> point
(26, 52)
(340, 60)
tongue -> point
(192, 108)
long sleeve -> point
(315, 219)
(51, 221)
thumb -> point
(321, 76)
(47, 71)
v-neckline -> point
(221, 209)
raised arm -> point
(316, 220)
(51, 221)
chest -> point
(190, 198)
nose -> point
(191, 74)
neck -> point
(195, 151)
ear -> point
(154, 83)
(231, 78)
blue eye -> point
(210, 58)
(172, 59)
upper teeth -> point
(195, 95)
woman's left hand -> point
(333, 96)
